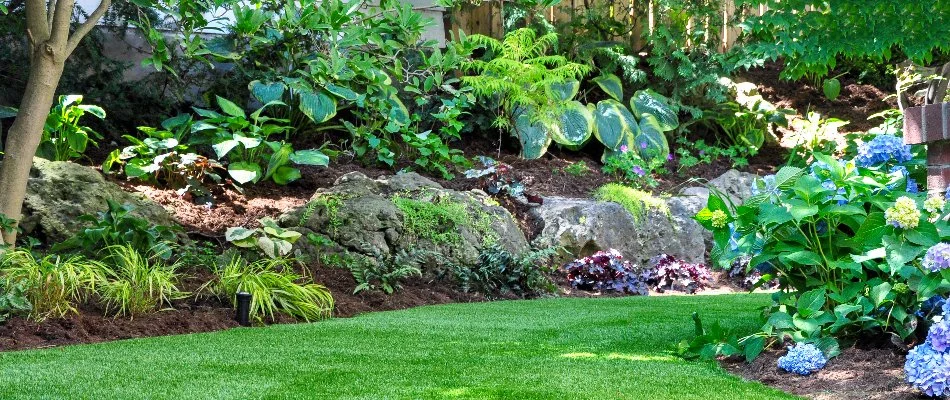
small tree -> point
(53, 37)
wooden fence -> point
(487, 18)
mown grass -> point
(609, 348)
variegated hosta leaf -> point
(651, 143)
(613, 122)
(650, 102)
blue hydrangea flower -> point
(937, 257)
(881, 149)
(947, 195)
(912, 186)
(803, 359)
(938, 336)
(928, 370)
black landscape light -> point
(243, 315)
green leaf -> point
(829, 347)
(230, 108)
(811, 302)
(771, 214)
(925, 235)
(310, 157)
(285, 174)
(803, 257)
(781, 320)
(879, 293)
(7, 112)
(317, 106)
(94, 110)
(611, 85)
(649, 102)
(753, 347)
(342, 92)
(810, 326)
(244, 172)
(831, 88)
(613, 123)
(222, 149)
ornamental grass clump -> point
(803, 359)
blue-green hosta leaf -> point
(317, 106)
(244, 172)
(310, 157)
(535, 137)
(610, 84)
(240, 235)
(267, 92)
(651, 142)
(230, 108)
(575, 126)
(566, 90)
(279, 158)
(613, 122)
(649, 102)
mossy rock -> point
(406, 212)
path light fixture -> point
(243, 315)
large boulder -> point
(59, 192)
(584, 226)
(404, 213)
(736, 185)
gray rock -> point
(584, 226)
(59, 192)
(361, 215)
(737, 185)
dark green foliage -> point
(812, 42)
(117, 226)
(385, 272)
(13, 299)
(499, 272)
(64, 139)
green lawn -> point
(610, 348)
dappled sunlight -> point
(620, 356)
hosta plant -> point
(855, 249)
(255, 145)
(270, 239)
(64, 138)
(606, 270)
(118, 226)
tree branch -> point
(87, 26)
(36, 21)
(59, 30)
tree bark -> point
(46, 67)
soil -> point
(856, 374)
(856, 102)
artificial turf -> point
(606, 348)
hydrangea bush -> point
(606, 270)
(854, 246)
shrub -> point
(927, 367)
(274, 288)
(385, 271)
(498, 271)
(270, 238)
(52, 284)
(13, 300)
(605, 270)
(136, 283)
(669, 273)
(845, 239)
(118, 226)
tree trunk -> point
(46, 67)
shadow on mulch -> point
(856, 374)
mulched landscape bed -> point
(856, 374)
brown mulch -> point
(856, 102)
(856, 374)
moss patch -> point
(439, 220)
(636, 202)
